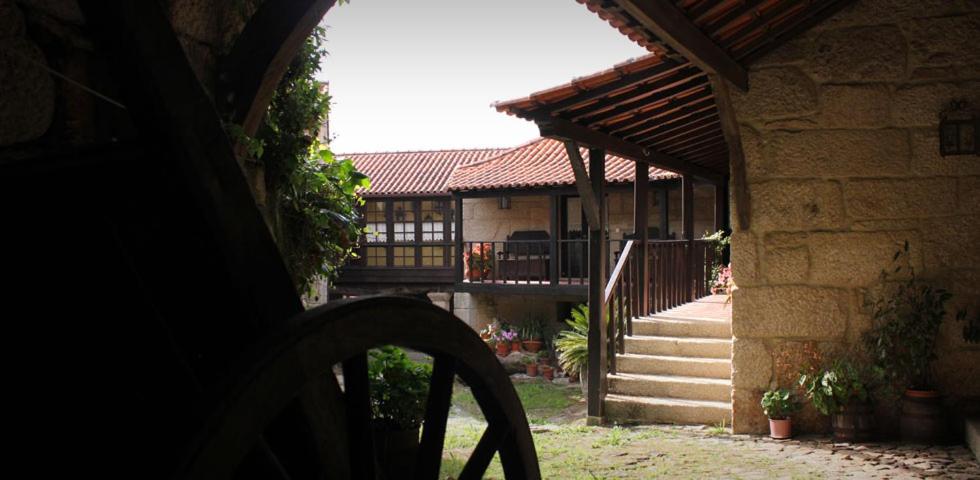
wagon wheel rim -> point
(296, 366)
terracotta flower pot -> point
(533, 346)
(532, 369)
(503, 349)
(780, 429)
(547, 372)
(515, 346)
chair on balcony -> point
(525, 256)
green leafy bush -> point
(833, 387)
(312, 198)
(399, 388)
(906, 319)
(572, 345)
(780, 404)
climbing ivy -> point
(312, 199)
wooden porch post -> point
(687, 209)
(458, 214)
(641, 203)
(721, 207)
(663, 200)
(597, 286)
(554, 256)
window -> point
(376, 256)
(404, 225)
(377, 228)
(404, 256)
(434, 214)
(433, 256)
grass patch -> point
(542, 401)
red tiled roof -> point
(414, 173)
(539, 163)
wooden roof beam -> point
(565, 131)
(670, 24)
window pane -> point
(374, 211)
(376, 256)
(433, 256)
(377, 232)
(404, 211)
(404, 256)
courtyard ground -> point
(568, 449)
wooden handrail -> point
(617, 271)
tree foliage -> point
(312, 195)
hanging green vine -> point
(312, 197)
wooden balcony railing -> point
(526, 262)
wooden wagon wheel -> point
(298, 367)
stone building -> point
(410, 247)
(822, 121)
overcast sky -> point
(421, 74)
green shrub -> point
(779, 404)
(906, 320)
(399, 388)
(572, 345)
(833, 387)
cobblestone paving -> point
(867, 460)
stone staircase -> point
(677, 367)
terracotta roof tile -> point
(414, 173)
(539, 163)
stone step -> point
(626, 408)
(679, 346)
(659, 325)
(671, 386)
(671, 365)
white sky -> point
(421, 74)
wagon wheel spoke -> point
(429, 455)
(358, 408)
(323, 403)
(488, 445)
(262, 463)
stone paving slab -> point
(866, 460)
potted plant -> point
(501, 343)
(841, 391)
(531, 364)
(722, 281)
(778, 405)
(906, 317)
(515, 340)
(531, 335)
(478, 261)
(399, 388)
(572, 345)
(548, 372)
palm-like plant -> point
(572, 345)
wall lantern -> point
(504, 203)
(959, 130)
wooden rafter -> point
(564, 130)
(670, 24)
(589, 205)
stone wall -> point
(840, 137)
(480, 309)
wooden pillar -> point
(687, 209)
(458, 214)
(641, 204)
(721, 207)
(663, 200)
(597, 287)
(554, 256)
